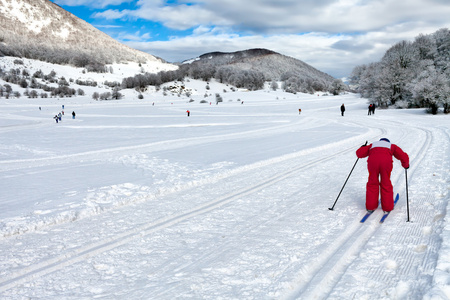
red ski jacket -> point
(380, 149)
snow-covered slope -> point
(271, 64)
(71, 74)
(133, 199)
(119, 70)
(42, 30)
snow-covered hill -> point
(134, 199)
(271, 64)
(71, 74)
(42, 30)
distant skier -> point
(56, 118)
(299, 111)
(373, 108)
(379, 165)
(342, 109)
(59, 116)
(73, 114)
(188, 113)
(370, 110)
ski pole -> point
(331, 208)
(407, 200)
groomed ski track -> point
(191, 242)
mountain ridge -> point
(273, 65)
(41, 29)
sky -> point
(333, 36)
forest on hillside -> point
(410, 74)
(59, 37)
(251, 79)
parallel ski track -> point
(17, 164)
(317, 279)
(81, 254)
(413, 235)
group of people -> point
(371, 109)
(58, 117)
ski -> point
(387, 213)
(367, 215)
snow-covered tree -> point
(399, 64)
(416, 73)
(442, 50)
(274, 85)
(116, 94)
(337, 87)
(431, 89)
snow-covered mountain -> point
(42, 30)
(273, 65)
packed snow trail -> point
(65, 259)
(240, 213)
(406, 253)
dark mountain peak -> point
(238, 54)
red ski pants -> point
(380, 183)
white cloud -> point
(331, 35)
(137, 36)
(108, 26)
(288, 16)
(111, 14)
(335, 54)
(179, 17)
(90, 3)
(315, 49)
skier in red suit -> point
(379, 165)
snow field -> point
(137, 200)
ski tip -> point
(396, 198)
(383, 218)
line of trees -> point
(251, 80)
(37, 81)
(114, 95)
(410, 74)
(292, 83)
(248, 79)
